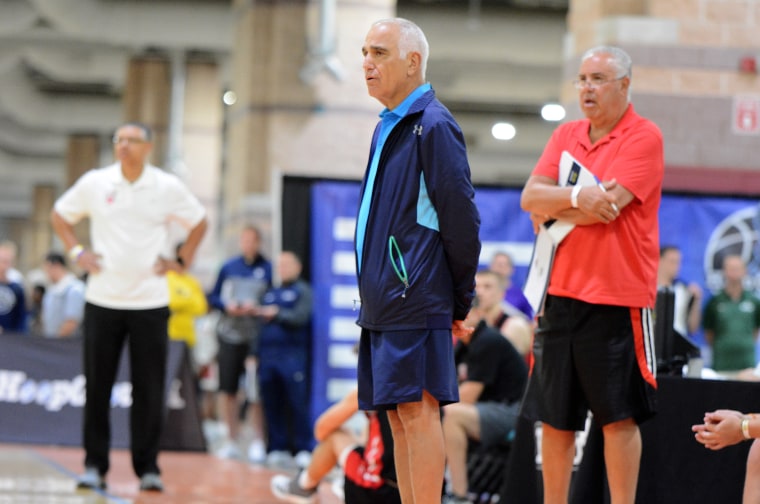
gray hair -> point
(147, 132)
(619, 59)
(411, 39)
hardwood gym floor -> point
(32, 474)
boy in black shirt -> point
(492, 381)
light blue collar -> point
(403, 108)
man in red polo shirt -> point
(593, 348)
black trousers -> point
(106, 332)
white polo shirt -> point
(129, 229)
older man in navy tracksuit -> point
(417, 251)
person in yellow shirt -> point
(186, 302)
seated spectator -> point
(515, 301)
(63, 302)
(489, 287)
(12, 299)
(369, 471)
(723, 428)
(492, 381)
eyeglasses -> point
(594, 82)
(130, 140)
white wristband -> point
(574, 195)
(75, 252)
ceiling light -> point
(229, 98)
(503, 131)
(553, 112)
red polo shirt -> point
(616, 263)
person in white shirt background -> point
(131, 206)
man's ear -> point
(413, 60)
(626, 83)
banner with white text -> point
(42, 393)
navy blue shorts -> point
(396, 366)
(591, 357)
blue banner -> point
(704, 228)
(333, 267)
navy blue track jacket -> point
(423, 164)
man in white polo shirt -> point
(130, 205)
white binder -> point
(551, 233)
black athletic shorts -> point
(231, 360)
(596, 357)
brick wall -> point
(686, 78)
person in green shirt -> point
(731, 320)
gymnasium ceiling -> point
(62, 72)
